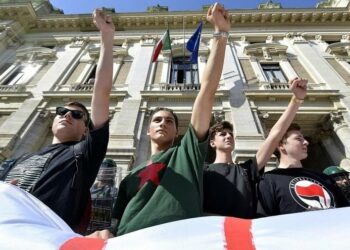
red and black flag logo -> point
(309, 193)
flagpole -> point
(183, 30)
(171, 53)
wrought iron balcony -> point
(88, 86)
(180, 86)
(285, 86)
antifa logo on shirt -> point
(309, 193)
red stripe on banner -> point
(82, 243)
(238, 234)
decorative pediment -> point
(339, 49)
(35, 53)
(265, 50)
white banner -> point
(26, 223)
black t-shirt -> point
(52, 183)
(229, 189)
(284, 191)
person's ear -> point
(212, 143)
(281, 148)
(86, 131)
(148, 131)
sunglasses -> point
(76, 114)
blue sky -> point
(87, 6)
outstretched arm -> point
(203, 104)
(104, 70)
(299, 88)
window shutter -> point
(123, 73)
(76, 73)
(340, 69)
(299, 69)
(158, 73)
(40, 74)
(248, 71)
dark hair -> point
(218, 127)
(292, 127)
(88, 122)
(168, 110)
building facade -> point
(48, 58)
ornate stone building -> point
(48, 58)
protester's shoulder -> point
(214, 167)
(137, 168)
(101, 129)
(272, 174)
(250, 163)
(191, 133)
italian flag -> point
(26, 223)
(163, 44)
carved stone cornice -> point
(11, 32)
(147, 41)
(341, 49)
(69, 95)
(219, 116)
(325, 95)
(265, 50)
(337, 120)
(77, 42)
(25, 14)
(299, 39)
(178, 95)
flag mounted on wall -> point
(194, 42)
(163, 44)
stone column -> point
(126, 125)
(320, 69)
(342, 130)
(248, 136)
(330, 146)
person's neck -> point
(223, 157)
(157, 148)
(56, 140)
(289, 163)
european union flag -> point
(193, 43)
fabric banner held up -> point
(26, 223)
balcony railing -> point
(285, 86)
(180, 86)
(83, 87)
(275, 85)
